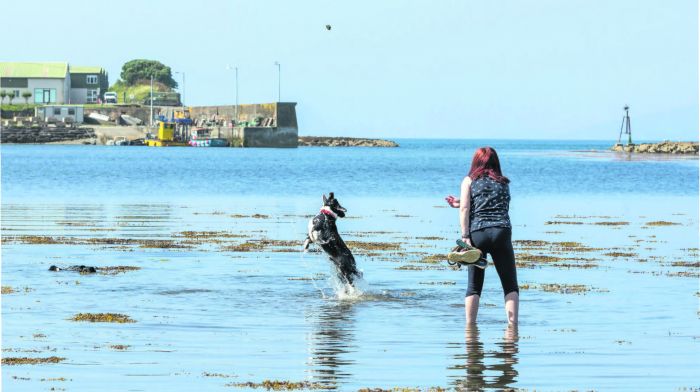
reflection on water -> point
(488, 369)
(332, 339)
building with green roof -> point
(54, 82)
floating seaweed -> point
(200, 235)
(530, 243)
(662, 223)
(117, 269)
(103, 318)
(691, 264)
(221, 375)
(620, 254)
(244, 247)
(30, 361)
(120, 347)
(12, 290)
(411, 267)
(276, 385)
(403, 389)
(433, 259)
(443, 283)
(361, 245)
(563, 223)
(560, 288)
(537, 258)
(611, 223)
(254, 216)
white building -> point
(57, 83)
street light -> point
(229, 67)
(279, 81)
(184, 92)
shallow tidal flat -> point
(221, 298)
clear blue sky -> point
(544, 69)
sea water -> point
(213, 314)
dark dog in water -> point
(324, 232)
(83, 269)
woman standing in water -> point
(483, 216)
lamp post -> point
(151, 123)
(184, 91)
(229, 67)
(279, 81)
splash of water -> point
(349, 292)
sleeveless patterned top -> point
(490, 200)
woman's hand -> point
(452, 201)
(467, 241)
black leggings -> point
(494, 241)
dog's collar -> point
(327, 211)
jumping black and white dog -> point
(323, 232)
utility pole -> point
(151, 125)
(229, 67)
(279, 81)
(184, 91)
(236, 95)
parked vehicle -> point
(110, 97)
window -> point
(56, 111)
(44, 95)
(91, 96)
(71, 112)
(91, 79)
(16, 93)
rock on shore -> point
(316, 141)
(44, 134)
(664, 147)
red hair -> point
(486, 163)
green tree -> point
(135, 71)
(11, 96)
(26, 95)
(3, 94)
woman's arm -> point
(465, 201)
(452, 201)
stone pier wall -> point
(261, 125)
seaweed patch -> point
(611, 223)
(103, 318)
(366, 246)
(276, 385)
(620, 254)
(30, 361)
(662, 223)
(561, 288)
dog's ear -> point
(324, 200)
(331, 196)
